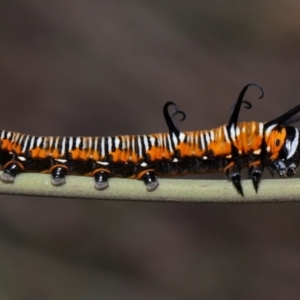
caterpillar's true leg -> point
(58, 173)
(10, 171)
(279, 166)
(150, 180)
(255, 173)
(233, 173)
(101, 182)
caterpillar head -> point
(289, 154)
(290, 150)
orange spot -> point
(276, 134)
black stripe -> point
(121, 143)
(149, 142)
(81, 143)
(99, 146)
(74, 143)
(28, 144)
(130, 145)
(59, 144)
(136, 145)
(143, 145)
(168, 146)
(67, 139)
(113, 143)
(106, 146)
(156, 142)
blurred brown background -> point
(107, 67)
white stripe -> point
(70, 144)
(140, 146)
(38, 142)
(32, 142)
(196, 138)
(294, 144)
(63, 146)
(109, 141)
(232, 132)
(45, 143)
(127, 142)
(212, 135)
(61, 160)
(78, 140)
(175, 140)
(50, 142)
(2, 134)
(152, 141)
(202, 141)
(132, 143)
(14, 137)
(90, 142)
(96, 141)
(207, 138)
(164, 142)
(104, 163)
(56, 143)
(226, 134)
(117, 143)
(84, 143)
(21, 139)
(181, 137)
(261, 129)
(170, 143)
(146, 142)
(237, 131)
(25, 144)
(22, 158)
(269, 129)
(102, 147)
(257, 152)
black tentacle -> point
(292, 121)
(285, 118)
(170, 118)
(248, 105)
(237, 107)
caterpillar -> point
(229, 148)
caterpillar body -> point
(229, 148)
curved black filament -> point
(170, 118)
(248, 105)
(237, 107)
(285, 118)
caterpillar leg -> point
(280, 168)
(101, 178)
(10, 171)
(255, 172)
(58, 173)
(283, 169)
(233, 173)
(150, 180)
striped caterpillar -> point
(229, 148)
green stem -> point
(174, 190)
